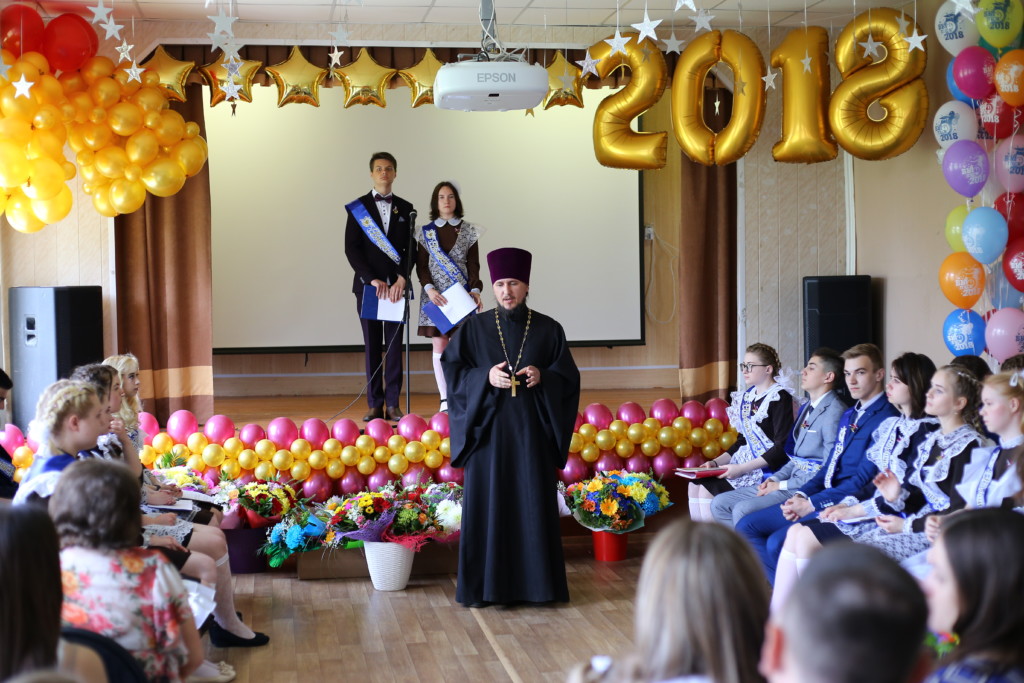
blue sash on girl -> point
(372, 230)
(438, 254)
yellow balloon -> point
(265, 449)
(565, 83)
(698, 437)
(196, 442)
(300, 470)
(575, 443)
(332, 447)
(190, 156)
(47, 144)
(283, 459)
(335, 469)
(163, 177)
(20, 214)
(172, 73)
(318, 460)
(616, 144)
(248, 459)
(163, 442)
(265, 471)
(999, 21)
(366, 465)
(125, 118)
(396, 443)
(625, 448)
(605, 440)
(54, 209)
(636, 433)
(711, 450)
(150, 99)
(431, 440)
(806, 137)
(148, 455)
(101, 200)
(47, 116)
(682, 426)
(181, 451)
(111, 161)
(105, 92)
(14, 107)
(14, 167)
(95, 68)
(590, 452)
(231, 469)
(618, 428)
(126, 195)
(381, 454)
(214, 455)
(420, 78)
(170, 129)
(433, 459)
(415, 451)
(142, 147)
(37, 60)
(398, 464)
(365, 444)
(587, 432)
(650, 447)
(350, 456)
(727, 439)
(195, 462)
(667, 437)
(16, 131)
(22, 456)
(96, 135)
(652, 425)
(233, 446)
(683, 448)
(301, 449)
(894, 82)
(446, 449)
(714, 428)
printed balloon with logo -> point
(964, 333)
(1009, 163)
(1009, 77)
(999, 21)
(954, 121)
(1004, 333)
(961, 279)
(954, 28)
(965, 167)
(984, 234)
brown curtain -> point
(165, 290)
(707, 269)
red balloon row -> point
(66, 42)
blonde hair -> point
(59, 401)
(131, 406)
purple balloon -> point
(416, 474)
(346, 431)
(575, 470)
(631, 413)
(1004, 333)
(664, 410)
(380, 476)
(965, 166)
(282, 431)
(411, 427)
(665, 462)
(219, 429)
(439, 423)
(639, 463)
(598, 415)
(609, 461)
(351, 482)
(380, 430)
(974, 71)
(315, 431)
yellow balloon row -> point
(651, 437)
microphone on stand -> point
(408, 308)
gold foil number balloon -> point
(803, 58)
(894, 81)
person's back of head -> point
(977, 366)
(854, 616)
(1013, 363)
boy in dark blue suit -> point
(846, 470)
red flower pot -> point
(609, 547)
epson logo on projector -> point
(486, 77)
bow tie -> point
(379, 198)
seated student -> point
(846, 471)
(894, 445)
(977, 365)
(701, 606)
(812, 438)
(763, 416)
(30, 615)
(974, 592)
(1013, 363)
(854, 616)
(7, 484)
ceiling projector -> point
(490, 86)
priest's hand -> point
(498, 376)
(532, 376)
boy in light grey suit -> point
(814, 434)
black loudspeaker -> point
(53, 330)
(837, 312)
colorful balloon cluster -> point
(670, 437)
(22, 449)
(339, 459)
(983, 160)
(125, 138)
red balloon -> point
(380, 476)
(181, 425)
(21, 29)
(1013, 263)
(579, 421)
(380, 430)
(68, 42)
(695, 412)
(317, 486)
(598, 415)
(411, 426)
(352, 482)
(246, 477)
(608, 462)
(998, 118)
(631, 413)
(664, 410)
(448, 474)
(639, 463)
(416, 474)
(1011, 206)
(693, 460)
(665, 463)
(212, 476)
(219, 429)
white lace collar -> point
(1007, 444)
(454, 222)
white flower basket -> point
(389, 565)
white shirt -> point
(384, 208)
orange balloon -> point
(962, 279)
(1009, 77)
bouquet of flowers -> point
(309, 526)
(444, 504)
(615, 501)
(264, 502)
(184, 478)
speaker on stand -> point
(838, 312)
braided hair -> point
(59, 401)
(966, 385)
(131, 406)
(100, 376)
(768, 356)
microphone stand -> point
(408, 310)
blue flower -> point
(276, 533)
(651, 505)
(315, 527)
(295, 538)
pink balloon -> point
(665, 463)
(598, 415)
(664, 410)
(1004, 333)
(181, 425)
(282, 431)
(579, 421)
(149, 424)
(32, 443)
(380, 430)
(315, 431)
(317, 486)
(246, 477)
(609, 461)
(412, 427)
(212, 476)
(439, 423)
(974, 72)
(251, 434)
(219, 429)
(351, 482)
(416, 474)
(631, 413)
(695, 412)
(380, 476)
(5, 442)
(346, 431)
(638, 463)
(575, 469)
(718, 409)
(693, 460)
(232, 518)
(447, 473)
(15, 437)
(1009, 163)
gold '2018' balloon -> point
(696, 139)
(894, 81)
(616, 144)
(806, 87)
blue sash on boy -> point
(372, 230)
(441, 257)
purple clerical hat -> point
(510, 262)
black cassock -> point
(510, 549)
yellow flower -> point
(594, 485)
(330, 537)
(609, 507)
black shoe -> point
(221, 637)
(478, 604)
(374, 414)
(394, 414)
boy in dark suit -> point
(376, 245)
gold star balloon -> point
(365, 80)
(297, 80)
(420, 78)
(565, 84)
(172, 73)
(216, 75)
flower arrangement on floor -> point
(262, 503)
(183, 478)
(615, 501)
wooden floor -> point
(344, 630)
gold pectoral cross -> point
(515, 383)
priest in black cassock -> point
(513, 393)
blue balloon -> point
(955, 91)
(1000, 291)
(964, 333)
(984, 233)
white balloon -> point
(954, 121)
(954, 29)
